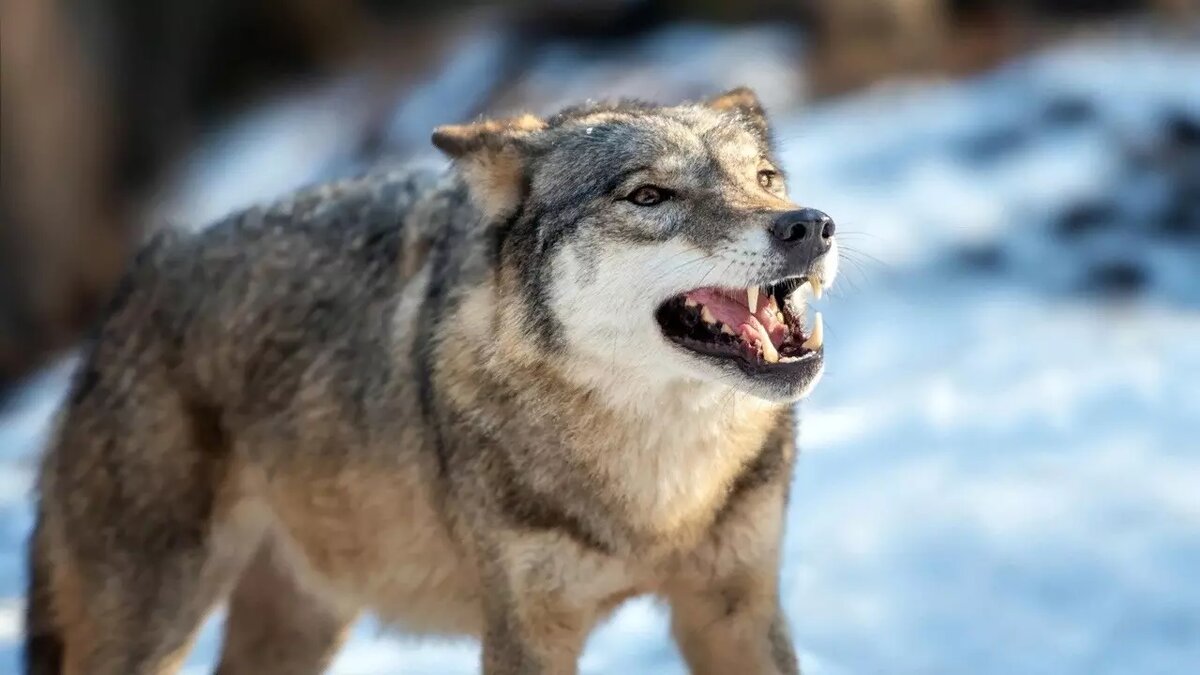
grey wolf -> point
(495, 401)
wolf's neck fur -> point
(670, 449)
(667, 452)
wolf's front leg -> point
(533, 637)
(725, 611)
(538, 607)
(733, 629)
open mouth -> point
(762, 327)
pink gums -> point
(731, 309)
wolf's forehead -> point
(721, 136)
(673, 142)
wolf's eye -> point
(768, 178)
(649, 195)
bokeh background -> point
(1001, 469)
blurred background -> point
(1001, 469)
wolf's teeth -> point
(789, 359)
(816, 339)
(727, 330)
(769, 353)
(815, 283)
(688, 302)
(752, 298)
(707, 315)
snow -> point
(1000, 472)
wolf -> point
(495, 400)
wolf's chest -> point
(675, 475)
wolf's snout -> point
(805, 226)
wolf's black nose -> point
(794, 227)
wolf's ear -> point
(744, 103)
(491, 155)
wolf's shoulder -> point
(367, 219)
(378, 199)
(376, 194)
(334, 244)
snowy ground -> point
(1001, 472)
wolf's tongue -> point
(762, 326)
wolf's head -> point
(636, 241)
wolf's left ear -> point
(744, 103)
(491, 155)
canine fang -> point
(816, 338)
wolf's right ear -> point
(491, 155)
(743, 102)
